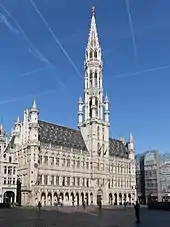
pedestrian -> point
(137, 212)
(100, 206)
(84, 204)
(39, 205)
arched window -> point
(95, 54)
(98, 132)
(91, 54)
(91, 78)
(95, 78)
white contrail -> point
(5, 21)
(36, 52)
(28, 96)
(141, 72)
(131, 29)
(55, 38)
(32, 71)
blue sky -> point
(139, 102)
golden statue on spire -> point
(93, 12)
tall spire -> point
(93, 40)
(130, 137)
(34, 106)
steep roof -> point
(64, 136)
(11, 144)
(117, 148)
(60, 135)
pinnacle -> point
(93, 35)
(130, 137)
(34, 106)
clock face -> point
(36, 165)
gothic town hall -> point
(58, 164)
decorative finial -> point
(93, 12)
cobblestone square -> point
(73, 216)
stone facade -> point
(165, 179)
(60, 164)
(152, 176)
(8, 171)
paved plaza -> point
(77, 217)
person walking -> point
(39, 205)
(137, 212)
(100, 206)
(84, 205)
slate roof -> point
(11, 144)
(117, 148)
(60, 135)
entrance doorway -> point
(9, 197)
(99, 196)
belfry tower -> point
(93, 115)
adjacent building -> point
(152, 176)
(165, 179)
(61, 164)
(8, 171)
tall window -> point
(57, 161)
(95, 54)
(63, 181)
(78, 181)
(4, 180)
(95, 79)
(52, 161)
(98, 132)
(91, 78)
(91, 54)
(90, 105)
(68, 162)
(5, 169)
(45, 159)
(52, 180)
(103, 132)
(96, 103)
(57, 180)
(68, 181)
(98, 149)
(45, 179)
